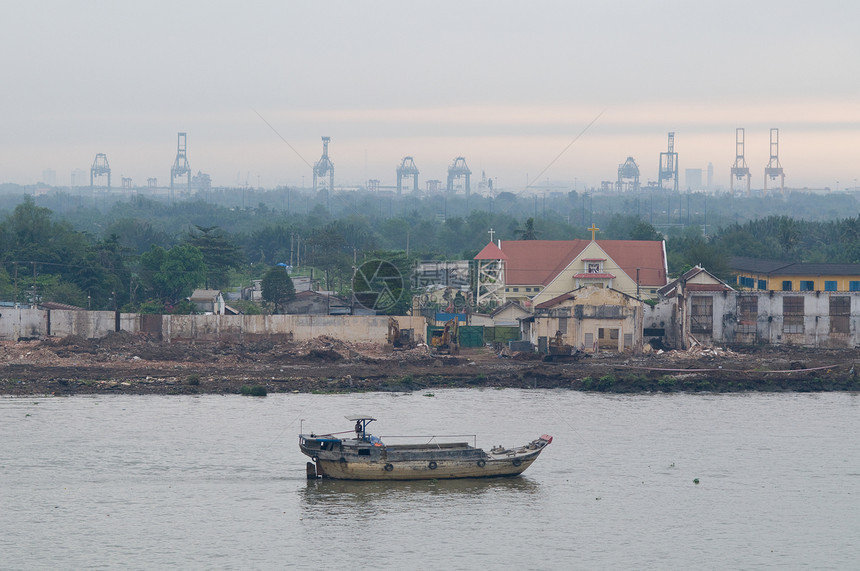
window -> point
(528, 289)
(786, 285)
(829, 285)
(607, 338)
(746, 282)
(853, 286)
(592, 267)
(747, 313)
(516, 289)
(628, 340)
(792, 314)
(702, 314)
(762, 285)
(807, 285)
(840, 313)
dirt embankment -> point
(133, 364)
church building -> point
(535, 271)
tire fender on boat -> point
(517, 461)
(432, 465)
(389, 467)
(482, 463)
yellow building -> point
(535, 271)
(768, 275)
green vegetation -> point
(254, 391)
(278, 288)
(144, 254)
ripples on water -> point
(218, 482)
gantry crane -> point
(669, 164)
(740, 168)
(773, 168)
(407, 168)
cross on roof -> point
(593, 230)
(491, 232)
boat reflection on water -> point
(331, 494)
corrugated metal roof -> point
(775, 268)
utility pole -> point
(637, 283)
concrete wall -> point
(18, 324)
(89, 324)
(662, 316)
(769, 325)
(352, 328)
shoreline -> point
(125, 364)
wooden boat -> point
(367, 457)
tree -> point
(54, 289)
(7, 288)
(219, 254)
(278, 287)
(644, 231)
(170, 275)
(527, 232)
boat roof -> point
(357, 417)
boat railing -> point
(434, 439)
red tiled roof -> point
(491, 252)
(533, 262)
(538, 261)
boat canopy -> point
(361, 422)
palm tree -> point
(528, 232)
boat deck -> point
(434, 446)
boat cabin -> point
(361, 423)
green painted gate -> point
(470, 335)
(501, 334)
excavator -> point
(558, 352)
(399, 338)
(447, 339)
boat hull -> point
(364, 459)
(423, 470)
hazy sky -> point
(507, 85)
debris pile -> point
(703, 351)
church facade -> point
(535, 271)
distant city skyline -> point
(506, 86)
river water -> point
(217, 482)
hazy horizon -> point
(506, 86)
